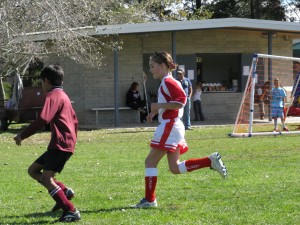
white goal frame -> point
(252, 78)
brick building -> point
(211, 51)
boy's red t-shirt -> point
(57, 111)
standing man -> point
(187, 87)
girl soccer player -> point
(169, 135)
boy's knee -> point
(31, 171)
(45, 180)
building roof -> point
(227, 23)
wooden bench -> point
(96, 110)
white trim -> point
(151, 172)
(182, 168)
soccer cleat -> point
(70, 216)
(275, 130)
(145, 204)
(286, 129)
(217, 164)
(69, 194)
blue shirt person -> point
(278, 96)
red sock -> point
(62, 186)
(59, 196)
(150, 185)
(195, 164)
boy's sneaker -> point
(286, 129)
(70, 216)
(145, 204)
(69, 194)
(217, 164)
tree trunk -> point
(2, 94)
(252, 9)
(198, 4)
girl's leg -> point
(151, 172)
(177, 167)
(275, 123)
(261, 109)
(284, 128)
(202, 118)
(196, 110)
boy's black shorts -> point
(54, 160)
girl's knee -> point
(174, 169)
(150, 163)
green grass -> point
(107, 173)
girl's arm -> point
(156, 106)
(169, 105)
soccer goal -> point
(254, 115)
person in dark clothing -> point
(134, 101)
(57, 111)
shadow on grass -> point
(113, 210)
(56, 215)
(17, 130)
(34, 216)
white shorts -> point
(169, 135)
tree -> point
(292, 9)
(65, 26)
(254, 9)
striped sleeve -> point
(176, 93)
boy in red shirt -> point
(57, 111)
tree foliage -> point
(65, 26)
(61, 23)
(254, 9)
(292, 8)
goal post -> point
(254, 115)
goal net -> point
(254, 116)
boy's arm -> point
(44, 118)
(35, 126)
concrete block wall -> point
(221, 106)
(90, 88)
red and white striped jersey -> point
(170, 90)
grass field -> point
(107, 174)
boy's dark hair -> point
(53, 73)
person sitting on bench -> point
(134, 101)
